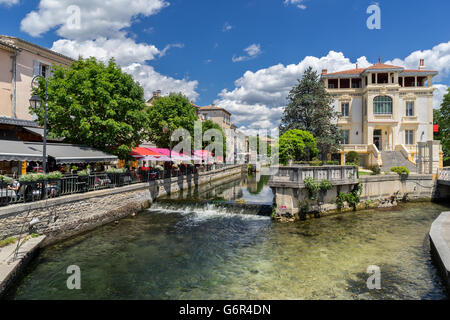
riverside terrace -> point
(40, 186)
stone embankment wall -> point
(63, 217)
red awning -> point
(435, 128)
(143, 152)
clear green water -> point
(209, 253)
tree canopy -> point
(172, 112)
(207, 125)
(297, 145)
(310, 109)
(94, 104)
(442, 118)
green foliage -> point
(310, 109)
(116, 170)
(400, 170)
(208, 125)
(447, 162)
(34, 235)
(325, 185)
(375, 169)
(352, 198)
(442, 118)
(54, 175)
(94, 104)
(6, 180)
(352, 157)
(172, 112)
(33, 177)
(297, 145)
(83, 173)
(7, 241)
(316, 163)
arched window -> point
(382, 105)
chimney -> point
(324, 71)
(422, 64)
(155, 94)
(158, 93)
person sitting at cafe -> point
(15, 186)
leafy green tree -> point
(168, 114)
(94, 104)
(207, 125)
(310, 109)
(442, 118)
(297, 145)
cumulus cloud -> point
(437, 58)
(96, 18)
(298, 3)
(9, 2)
(259, 98)
(152, 80)
(439, 92)
(252, 51)
(100, 34)
(125, 51)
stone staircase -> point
(395, 159)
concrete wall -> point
(66, 216)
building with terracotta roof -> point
(382, 108)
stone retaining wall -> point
(63, 217)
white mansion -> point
(382, 108)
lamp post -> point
(35, 102)
(167, 131)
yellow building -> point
(382, 109)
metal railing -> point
(73, 184)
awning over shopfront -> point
(71, 153)
(18, 151)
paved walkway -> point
(10, 267)
(440, 243)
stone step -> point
(395, 159)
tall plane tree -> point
(310, 109)
(96, 105)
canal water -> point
(204, 251)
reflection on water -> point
(252, 188)
(207, 253)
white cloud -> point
(101, 36)
(439, 92)
(258, 98)
(437, 58)
(227, 27)
(125, 51)
(298, 3)
(252, 51)
(97, 18)
(9, 3)
(151, 81)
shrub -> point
(32, 177)
(332, 163)
(400, 170)
(447, 162)
(375, 169)
(352, 157)
(313, 188)
(7, 241)
(325, 185)
(83, 173)
(116, 170)
(316, 163)
(6, 180)
(54, 175)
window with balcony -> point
(382, 105)
(409, 137)
(410, 108)
(345, 109)
(345, 136)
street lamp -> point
(35, 102)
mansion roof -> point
(379, 67)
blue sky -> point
(199, 47)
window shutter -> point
(36, 68)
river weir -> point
(222, 244)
